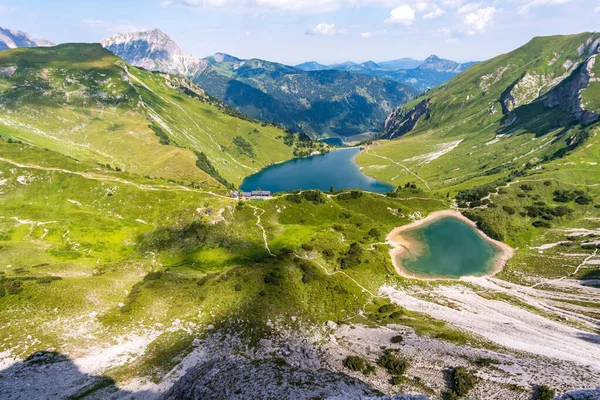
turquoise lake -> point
(449, 248)
(337, 168)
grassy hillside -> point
(84, 102)
(118, 255)
(521, 164)
(490, 122)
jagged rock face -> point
(10, 39)
(235, 377)
(435, 63)
(154, 51)
(401, 121)
(567, 95)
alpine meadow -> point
(408, 227)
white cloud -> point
(404, 15)
(295, 6)
(6, 9)
(111, 26)
(597, 10)
(478, 20)
(370, 35)
(326, 30)
(437, 12)
(469, 7)
(536, 3)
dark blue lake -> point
(334, 142)
(337, 168)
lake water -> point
(337, 168)
(339, 142)
(449, 248)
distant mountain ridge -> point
(320, 103)
(11, 39)
(435, 63)
(421, 75)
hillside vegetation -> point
(82, 101)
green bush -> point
(397, 339)
(353, 256)
(393, 364)
(307, 247)
(328, 253)
(542, 224)
(355, 363)
(386, 308)
(544, 393)
(463, 381)
(509, 210)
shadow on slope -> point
(51, 375)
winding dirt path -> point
(106, 178)
(264, 232)
(370, 151)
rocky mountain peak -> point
(11, 39)
(154, 50)
(438, 64)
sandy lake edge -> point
(400, 244)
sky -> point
(327, 31)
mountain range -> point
(10, 39)
(319, 103)
(130, 268)
(422, 75)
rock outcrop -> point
(402, 121)
(10, 39)
(155, 51)
(235, 377)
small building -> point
(261, 193)
(247, 195)
(235, 194)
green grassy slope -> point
(467, 133)
(504, 172)
(117, 254)
(83, 101)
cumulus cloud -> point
(403, 15)
(469, 7)
(298, 6)
(370, 35)
(536, 3)
(326, 30)
(276, 6)
(437, 12)
(111, 26)
(480, 19)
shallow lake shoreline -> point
(401, 244)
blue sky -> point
(293, 31)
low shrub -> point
(355, 363)
(544, 393)
(397, 339)
(395, 365)
(462, 381)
